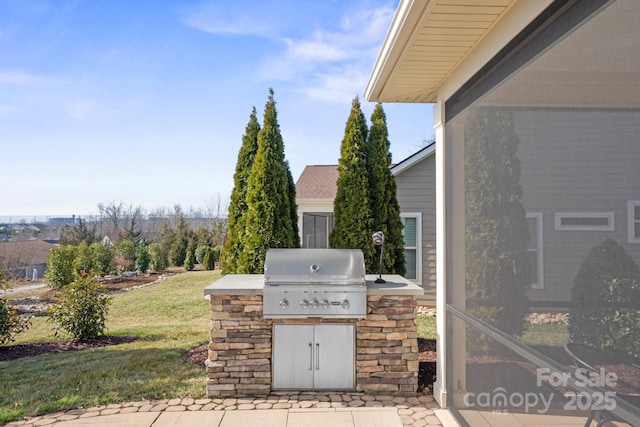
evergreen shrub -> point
(606, 300)
(82, 309)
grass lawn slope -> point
(169, 317)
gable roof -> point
(25, 252)
(320, 181)
(317, 182)
(413, 159)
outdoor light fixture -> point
(378, 240)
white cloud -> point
(337, 88)
(13, 77)
(5, 110)
(332, 65)
(83, 110)
(222, 19)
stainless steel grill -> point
(314, 283)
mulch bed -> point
(18, 351)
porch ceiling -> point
(426, 42)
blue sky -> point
(145, 103)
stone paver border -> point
(413, 411)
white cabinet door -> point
(313, 356)
(293, 356)
(333, 353)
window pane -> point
(532, 272)
(410, 263)
(308, 234)
(585, 221)
(533, 233)
(409, 232)
(636, 212)
(321, 232)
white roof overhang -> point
(436, 45)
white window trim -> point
(608, 215)
(538, 217)
(631, 225)
(418, 216)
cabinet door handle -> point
(310, 357)
(317, 356)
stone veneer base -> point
(240, 350)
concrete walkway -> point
(278, 410)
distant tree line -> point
(122, 238)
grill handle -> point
(310, 357)
(317, 356)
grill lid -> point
(314, 266)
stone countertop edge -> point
(252, 284)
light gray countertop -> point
(252, 284)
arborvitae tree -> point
(351, 208)
(496, 232)
(238, 204)
(269, 223)
(142, 257)
(189, 261)
(384, 202)
(209, 260)
(293, 207)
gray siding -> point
(577, 161)
(416, 193)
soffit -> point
(427, 40)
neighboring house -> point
(25, 258)
(557, 84)
(415, 179)
(315, 191)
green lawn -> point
(170, 317)
(427, 327)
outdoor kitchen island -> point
(253, 355)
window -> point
(316, 229)
(412, 237)
(634, 220)
(584, 221)
(534, 251)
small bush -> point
(158, 257)
(102, 258)
(126, 255)
(189, 261)
(84, 261)
(61, 266)
(11, 323)
(82, 309)
(142, 257)
(605, 296)
(209, 262)
(200, 252)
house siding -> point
(587, 169)
(416, 192)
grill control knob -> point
(314, 303)
(325, 304)
(304, 303)
(284, 304)
(345, 304)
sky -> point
(145, 102)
